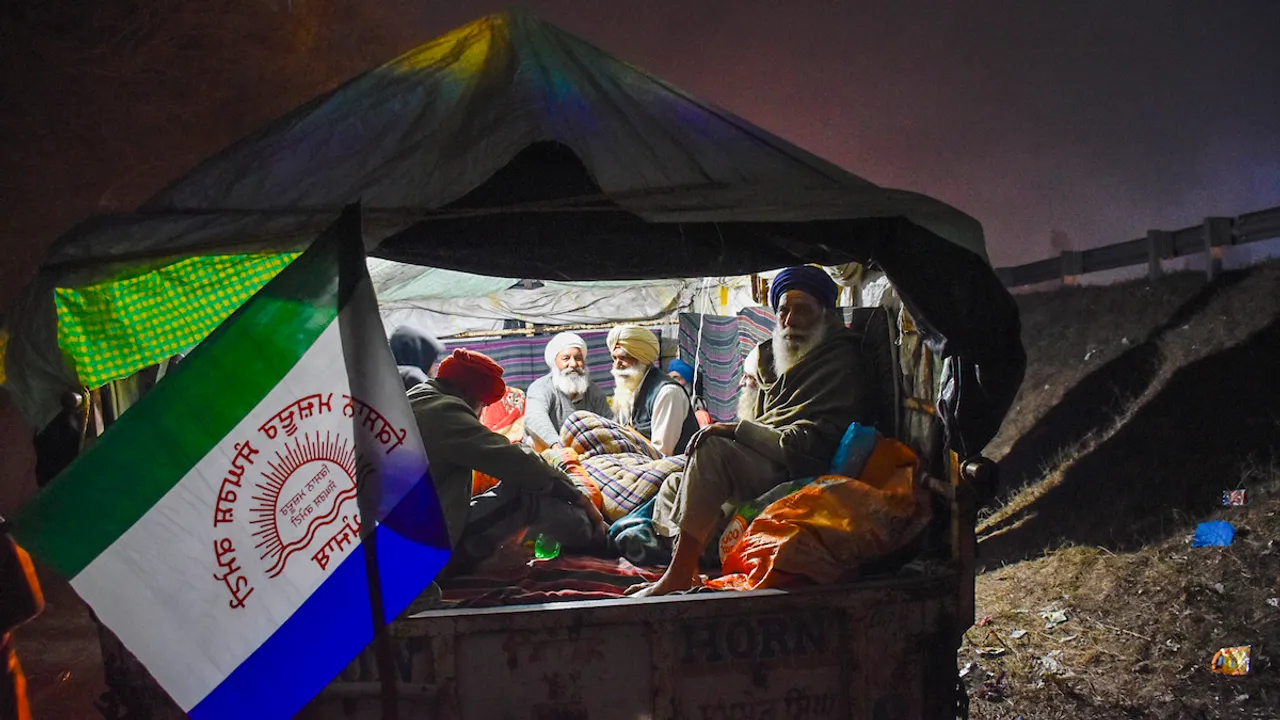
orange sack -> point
(505, 417)
(822, 532)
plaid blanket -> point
(619, 462)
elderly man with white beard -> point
(561, 392)
(811, 387)
(644, 398)
(749, 386)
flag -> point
(216, 528)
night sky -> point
(1097, 119)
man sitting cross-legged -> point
(811, 389)
(565, 390)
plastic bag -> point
(743, 516)
(851, 455)
(822, 532)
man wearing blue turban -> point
(811, 387)
(681, 372)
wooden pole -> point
(382, 652)
(549, 330)
(352, 271)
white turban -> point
(559, 344)
(751, 363)
(635, 341)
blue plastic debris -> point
(1213, 534)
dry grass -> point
(1063, 346)
(1115, 459)
(1177, 390)
(1141, 627)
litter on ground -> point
(1231, 661)
(1053, 618)
(1215, 533)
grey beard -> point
(569, 382)
(747, 398)
(787, 354)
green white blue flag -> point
(216, 528)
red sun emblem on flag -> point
(311, 485)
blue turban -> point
(683, 369)
(807, 279)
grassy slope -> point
(1141, 404)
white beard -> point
(624, 392)
(570, 382)
(786, 353)
(747, 398)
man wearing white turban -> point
(561, 392)
(644, 398)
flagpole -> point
(382, 652)
(352, 270)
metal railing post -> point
(1072, 266)
(1159, 247)
(1217, 235)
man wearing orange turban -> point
(530, 492)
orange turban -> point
(474, 373)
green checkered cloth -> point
(116, 328)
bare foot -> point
(638, 587)
(664, 586)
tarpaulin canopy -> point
(512, 149)
(444, 303)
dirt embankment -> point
(1142, 404)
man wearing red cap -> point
(810, 389)
(530, 492)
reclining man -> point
(645, 399)
(563, 391)
(810, 390)
(530, 492)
